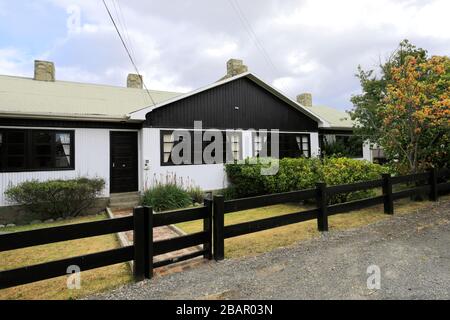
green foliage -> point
(58, 198)
(367, 105)
(343, 146)
(403, 108)
(301, 173)
(168, 196)
(338, 171)
(196, 193)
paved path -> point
(412, 251)
(163, 233)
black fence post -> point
(322, 199)
(143, 243)
(207, 227)
(218, 226)
(387, 194)
(433, 185)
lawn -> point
(92, 281)
(259, 242)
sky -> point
(180, 45)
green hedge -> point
(301, 173)
(58, 198)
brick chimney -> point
(44, 70)
(235, 67)
(135, 81)
(305, 99)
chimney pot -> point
(44, 70)
(235, 67)
(305, 99)
(135, 81)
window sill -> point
(36, 170)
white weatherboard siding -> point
(315, 148)
(91, 159)
(206, 176)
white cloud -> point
(181, 45)
(13, 62)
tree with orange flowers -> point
(410, 112)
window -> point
(35, 150)
(345, 145)
(168, 144)
(290, 145)
(232, 146)
(303, 145)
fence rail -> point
(212, 238)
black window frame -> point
(162, 133)
(30, 154)
(287, 147)
(346, 137)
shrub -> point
(302, 173)
(337, 171)
(293, 174)
(170, 196)
(196, 193)
(58, 198)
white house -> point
(53, 129)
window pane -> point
(168, 147)
(16, 137)
(42, 137)
(42, 162)
(43, 150)
(62, 150)
(62, 162)
(168, 138)
(15, 162)
(63, 138)
(16, 149)
(166, 157)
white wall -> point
(91, 159)
(206, 176)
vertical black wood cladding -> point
(258, 109)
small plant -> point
(167, 193)
(196, 193)
(58, 198)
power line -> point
(128, 51)
(122, 21)
(247, 25)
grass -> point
(259, 242)
(92, 281)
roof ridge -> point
(85, 84)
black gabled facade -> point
(238, 104)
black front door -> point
(124, 162)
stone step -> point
(124, 197)
(124, 205)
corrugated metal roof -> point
(335, 118)
(27, 96)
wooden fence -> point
(214, 231)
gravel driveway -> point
(412, 252)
